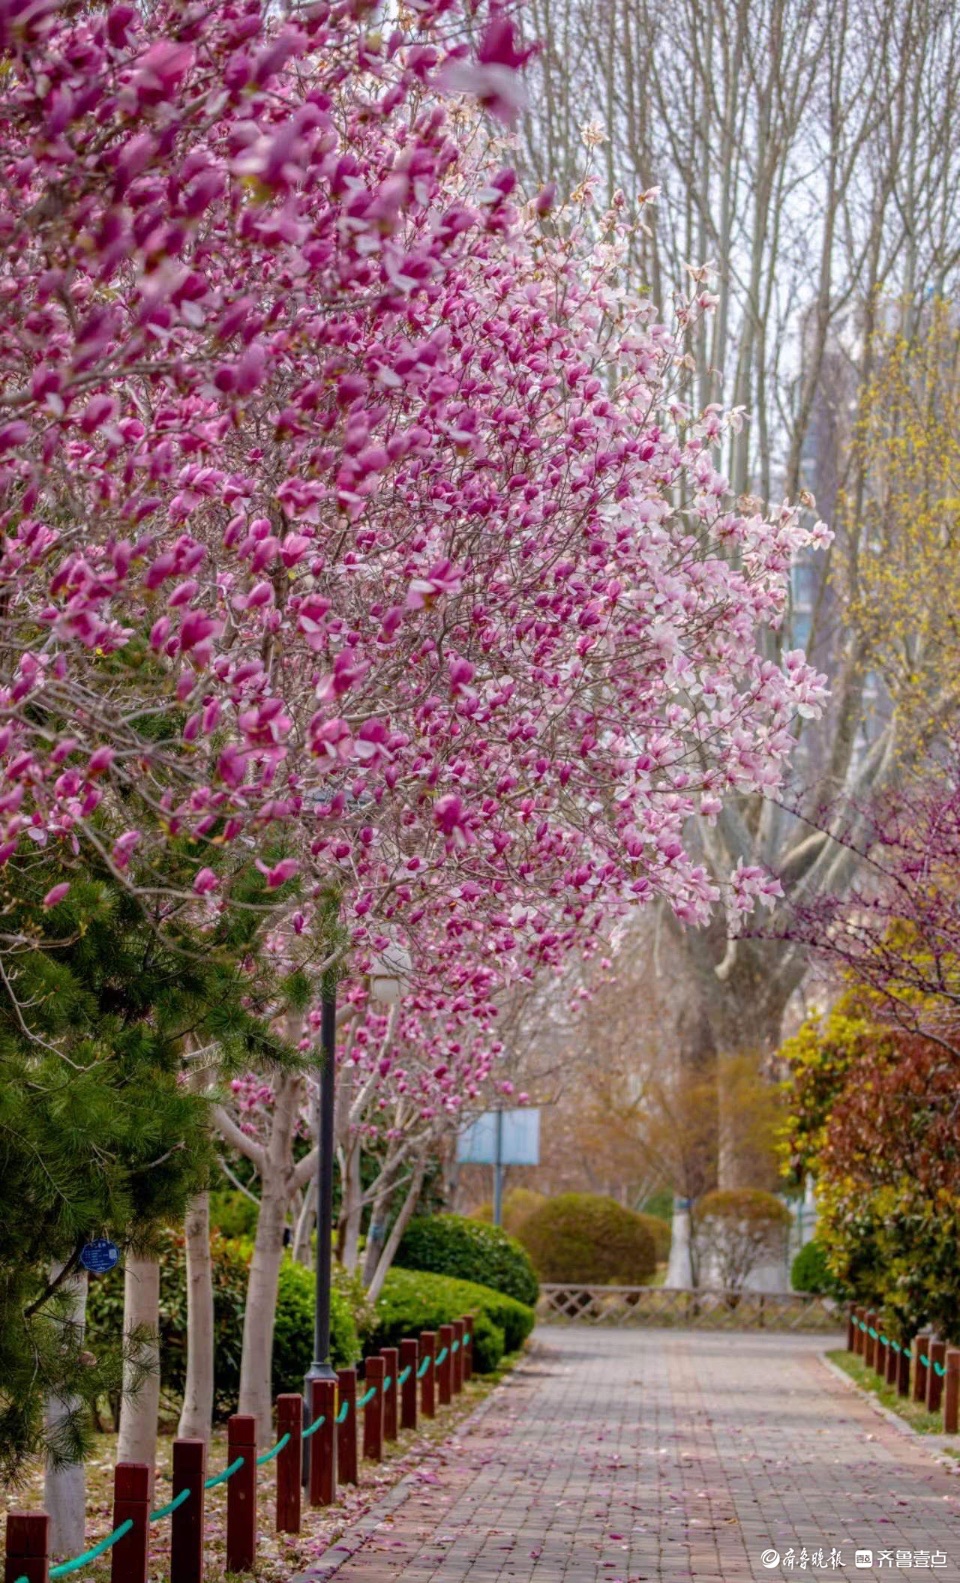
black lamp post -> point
(320, 1368)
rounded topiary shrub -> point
(809, 1272)
(471, 1251)
(661, 1233)
(587, 1240)
(518, 1205)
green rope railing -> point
(341, 1417)
(66, 1567)
(221, 1478)
(423, 1368)
(367, 1397)
(403, 1378)
(171, 1506)
(274, 1451)
(440, 1357)
(387, 1383)
(317, 1424)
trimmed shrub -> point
(810, 1272)
(415, 1300)
(586, 1240)
(293, 1332)
(466, 1248)
(661, 1232)
(232, 1213)
(518, 1205)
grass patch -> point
(912, 1413)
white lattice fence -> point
(670, 1307)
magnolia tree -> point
(352, 528)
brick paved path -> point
(651, 1455)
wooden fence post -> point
(391, 1362)
(186, 1524)
(936, 1353)
(870, 1342)
(468, 1348)
(323, 1442)
(951, 1394)
(289, 1462)
(242, 1494)
(428, 1385)
(893, 1365)
(859, 1337)
(459, 1331)
(374, 1374)
(851, 1330)
(880, 1355)
(347, 1468)
(131, 1503)
(410, 1359)
(27, 1550)
(903, 1368)
(445, 1369)
(920, 1351)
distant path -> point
(634, 1456)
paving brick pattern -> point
(658, 1457)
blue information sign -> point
(100, 1256)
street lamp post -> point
(320, 1368)
(388, 975)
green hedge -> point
(661, 1231)
(810, 1272)
(471, 1251)
(415, 1300)
(293, 1331)
(587, 1240)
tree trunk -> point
(351, 1211)
(305, 1222)
(396, 1235)
(64, 1489)
(137, 1441)
(256, 1367)
(196, 1419)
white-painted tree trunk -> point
(351, 1210)
(389, 1253)
(305, 1221)
(64, 1489)
(680, 1264)
(196, 1419)
(256, 1367)
(139, 1409)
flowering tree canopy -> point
(345, 512)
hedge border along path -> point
(354, 1537)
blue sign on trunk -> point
(100, 1256)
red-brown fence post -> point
(242, 1493)
(936, 1353)
(428, 1385)
(27, 1550)
(459, 1331)
(860, 1339)
(374, 1374)
(951, 1393)
(893, 1364)
(468, 1347)
(391, 1362)
(903, 1368)
(289, 1462)
(870, 1342)
(347, 1468)
(323, 1442)
(186, 1524)
(445, 1369)
(921, 1350)
(851, 1330)
(880, 1355)
(409, 1359)
(131, 1503)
